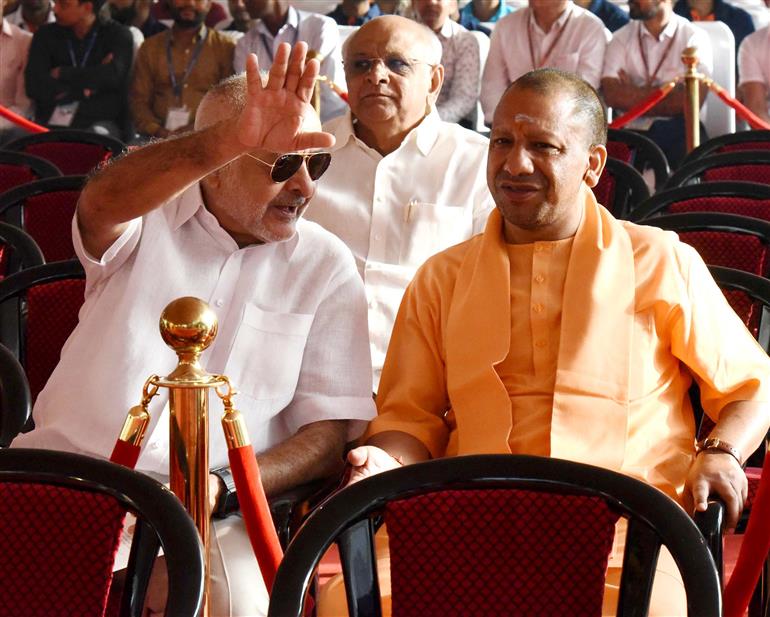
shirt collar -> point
(666, 33)
(6, 29)
(449, 28)
(558, 23)
(292, 21)
(189, 202)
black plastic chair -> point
(15, 399)
(731, 142)
(743, 198)
(639, 151)
(742, 166)
(621, 188)
(462, 485)
(44, 209)
(60, 519)
(73, 151)
(17, 168)
(17, 250)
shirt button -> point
(540, 344)
(219, 302)
(538, 308)
(377, 236)
(539, 278)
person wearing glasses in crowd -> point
(402, 184)
(216, 214)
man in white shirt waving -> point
(403, 184)
(216, 214)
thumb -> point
(358, 456)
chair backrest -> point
(15, 398)
(61, 517)
(732, 142)
(465, 530)
(749, 295)
(744, 198)
(44, 209)
(17, 168)
(39, 309)
(17, 250)
(638, 151)
(73, 151)
(727, 240)
(621, 188)
(717, 117)
(741, 166)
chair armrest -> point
(290, 508)
(711, 525)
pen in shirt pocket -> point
(408, 209)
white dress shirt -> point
(396, 211)
(462, 72)
(292, 334)
(321, 35)
(625, 53)
(14, 48)
(577, 41)
(754, 59)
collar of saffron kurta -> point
(590, 403)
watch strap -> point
(715, 443)
(227, 503)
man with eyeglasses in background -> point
(216, 214)
(403, 184)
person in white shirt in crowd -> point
(645, 54)
(32, 14)
(403, 184)
(459, 57)
(754, 72)
(276, 22)
(217, 216)
(547, 34)
(14, 47)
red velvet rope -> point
(643, 107)
(753, 552)
(21, 121)
(744, 112)
(125, 454)
(256, 512)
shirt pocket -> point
(266, 357)
(430, 228)
(565, 62)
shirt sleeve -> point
(750, 62)
(412, 397)
(466, 84)
(614, 57)
(712, 341)
(592, 55)
(142, 93)
(495, 79)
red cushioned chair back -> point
(744, 173)
(621, 151)
(59, 549)
(746, 145)
(732, 250)
(757, 208)
(52, 314)
(71, 157)
(48, 219)
(14, 175)
(498, 552)
(604, 191)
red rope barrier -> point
(754, 550)
(643, 107)
(744, 112)
(256, 512)
(21, 121)
(125, 454)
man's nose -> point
(301, 183)
(378, 73)
(518, 162)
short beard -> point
(188, 24)
(635, 13)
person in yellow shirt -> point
(561, 331)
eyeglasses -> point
(398, 65)
(286, 165)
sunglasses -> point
(286, 165)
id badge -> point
(177, 118)
(64, 114)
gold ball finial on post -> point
(188, 325)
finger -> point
(253, 78)
(296, 66)
(700, 495)
(308, 141)
(308, 80)
(277, 75)
(358, 456)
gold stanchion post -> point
(692, 98)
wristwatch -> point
(714, 443)
(227, 502)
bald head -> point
(415, 39)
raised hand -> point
(276, 112)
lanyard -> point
(268, 44)
(178, 85)
(544, 59)
(89, 48)
(651, 78)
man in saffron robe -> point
(561, 331)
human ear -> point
(436, 80)
(597, 157)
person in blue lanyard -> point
(78, 69)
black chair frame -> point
(646, 153)
(629, 185)
(350, 517)
(712, 146)
(161, 520)
(41, 167)
(11, 208)
(26, 253)
(689, 172)
(113, 145)
(15, 398)
(658, 202)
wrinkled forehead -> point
(547, 111)
(379, 42)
